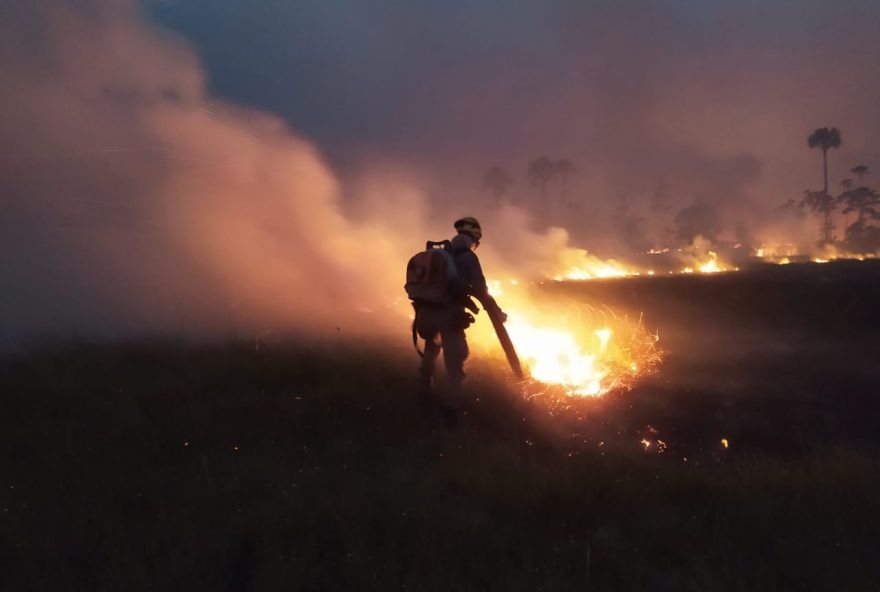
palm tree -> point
(860, 236)
(541, 171)
(825, 138)
(564, 169)
(496, 180)
(860, 171)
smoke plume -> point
(135, 202)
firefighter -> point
(442, 326)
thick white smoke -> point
(133, 201)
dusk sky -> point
(713, 96)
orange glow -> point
(783, 254)
(777, 253)
(708, 263)
(554, 356)
(596, 270)
(586, 352)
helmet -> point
(469, 225)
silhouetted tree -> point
(542, 171)
(565, 168)
(629, 227)
(862, 237)
(862, 200)
(701, 218)
(496, 180)
(847, 184)
(860, 171)
(818, 202)
(825, 138)
(660, 198)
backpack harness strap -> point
(445, 245)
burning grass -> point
(785, 253)
(294, 466)
(585, 350)
(699, 258)
(679, 261)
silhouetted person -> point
(442, 325)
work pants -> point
(442, 327)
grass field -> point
(165, 466)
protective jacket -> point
(472, 282)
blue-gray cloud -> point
(606, 83)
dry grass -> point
(162, 467)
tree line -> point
(541, 173)
(860, 236)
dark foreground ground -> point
(169, 467)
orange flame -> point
(586, 352)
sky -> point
(210, 165)
(631, 91)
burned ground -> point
(777, 359)
(172, 466)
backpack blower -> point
(429, 275)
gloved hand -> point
(500, 315)
(464, 320)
